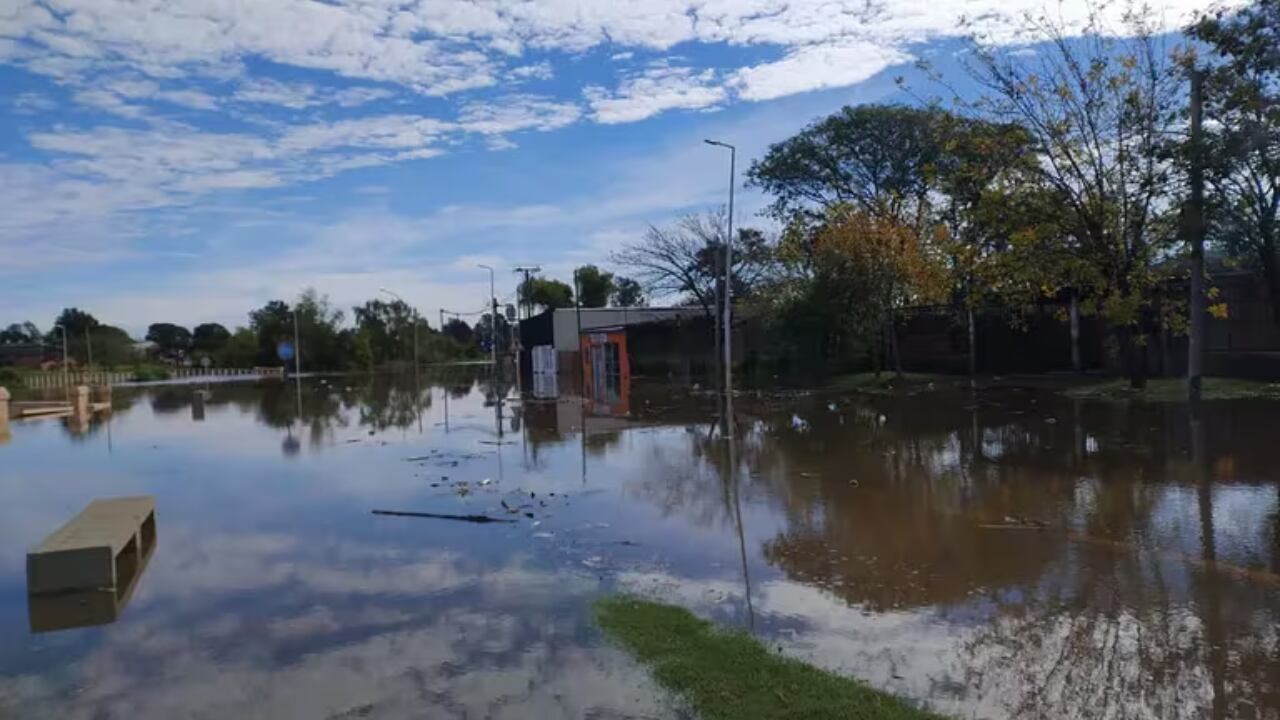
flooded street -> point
(1001, 554)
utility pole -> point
(577, 342)
(66, 382)
(297, 360)
(728, 272)
(528, 271)
(493, 320)
(1194, 224)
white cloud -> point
(32, 103)
(206, 38)
(267, 91)
(517, 112)
(814, 67)
(656, 90)
(536, 71)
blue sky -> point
(187, 160)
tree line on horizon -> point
(382, 332)
(1063, 182)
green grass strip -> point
(727, 675)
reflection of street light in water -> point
(290, 445)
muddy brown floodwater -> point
(1000, 554)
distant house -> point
(28, 355)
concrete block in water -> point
(102, 547)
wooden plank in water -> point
(33, 408)
(96, 548)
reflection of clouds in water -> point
(906, 653)
(408, 645)
(1023, 661)
(461, 664)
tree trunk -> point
(1195, 231)
(877, 352)
(1136, 359)
(1076, 365)
(973, 343)
(894, 349)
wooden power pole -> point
(1194, 224)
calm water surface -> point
(1008, 554)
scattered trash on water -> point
(544, 535)
(485, 481)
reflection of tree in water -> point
(887, 512)
(688, 481)
(1100, 613)
(392, 402)
(1129, 635)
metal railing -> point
(58, 379)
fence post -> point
(4, 415)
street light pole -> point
(493, 320)
(297, 357)
(413, 314)
(728, 270)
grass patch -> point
(1175, 390)
(727, 675)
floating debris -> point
(443, 516)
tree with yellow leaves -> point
(871, 266)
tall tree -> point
(594, 286)
(876, 158)
(271, 323)
(324, 343)
(170, 339)
(77, 325)
(981, 164)
(21, 333)
(209, 337)
(871, 267)
(546, 294)
(627, 293)
(1242, 110)
(683, 259)
(112, 346)
(240, 350)
(75, 321)
(387, 328)
(1098, 109)
(459, 330)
